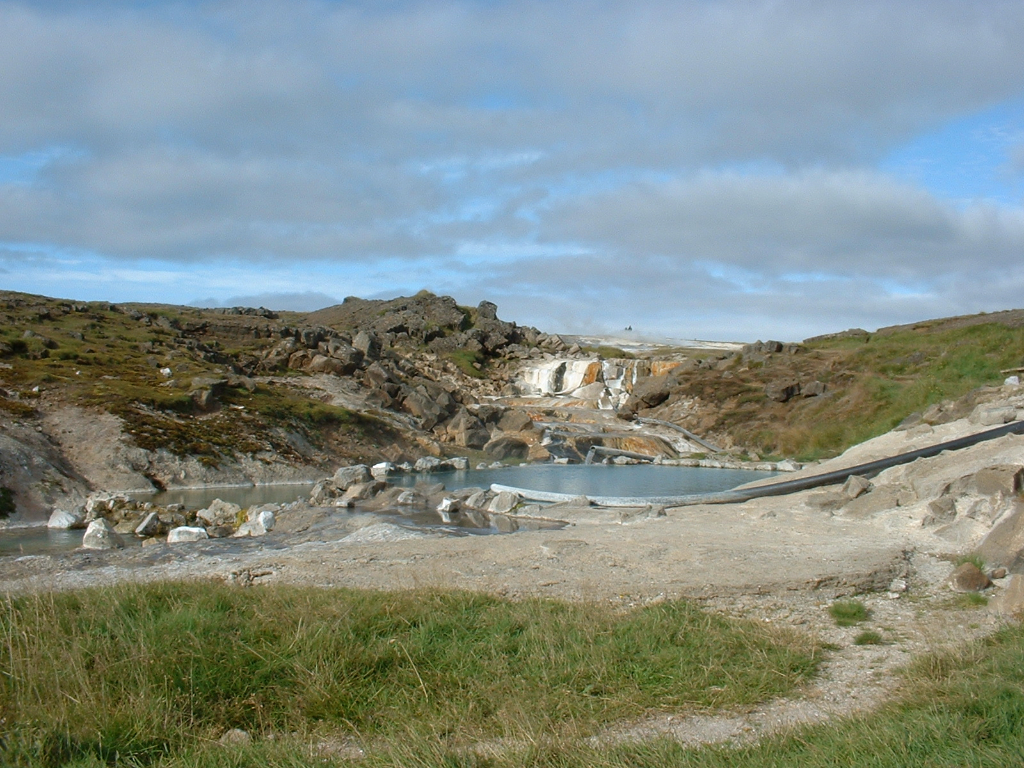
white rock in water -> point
(186, 533)
(382, 470)
(448, 509)
(458, 463)
(99, 535)
(64, 519)
(427, 464)
(408, 498)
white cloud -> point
(568, 156)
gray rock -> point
(332, 365)
(347, 476)
(812, 389)
(458, 463)
(515, 421)
(427, 464)
(368, 344)
(506, 447)
(65, 519)
(969, 578)
(408, 499)
(186, 533)
(219, 513)
(782, 392)
(100, 535)
(504, 502)
(986, 415)
(477, 500)
(362, 491)
(1004, 544)
(150, 525)
(1010, 601)
(423, 408)
(856, 485)
(258, 524)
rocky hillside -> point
(96, 396)
(103, 396)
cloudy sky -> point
(710, 169)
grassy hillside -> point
(872, 383)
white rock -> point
(185, 533)
(408, 498)
(427, 464)
(448, 509)
(64, 519)
(1012, 381)
(458, 463)
(99, 535)
(166, 372)
(382, 470)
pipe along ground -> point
(867, 469)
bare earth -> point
(779, 560)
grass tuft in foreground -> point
(153, 674)
(846, 613)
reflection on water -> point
(242, 495)
(38, 540)
(597, 479)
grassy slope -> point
(151, 672)
(872, 386)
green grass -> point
(464, 359)
(976, 560)
(846, 613)
(145, 674)
(868, 637)
(963, 708)
(609, 353)
(971, 600)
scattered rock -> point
(186, 533)
(235, 737)
(504, 502)
(506, 447)
(150, 525)
(1010, 601)
(855, 486)
(219, 513)
(969, 578)
(346, 476)
(986, 415)
(100, 535)
(65, 519)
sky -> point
(713, 169)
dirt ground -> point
(779, 560)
